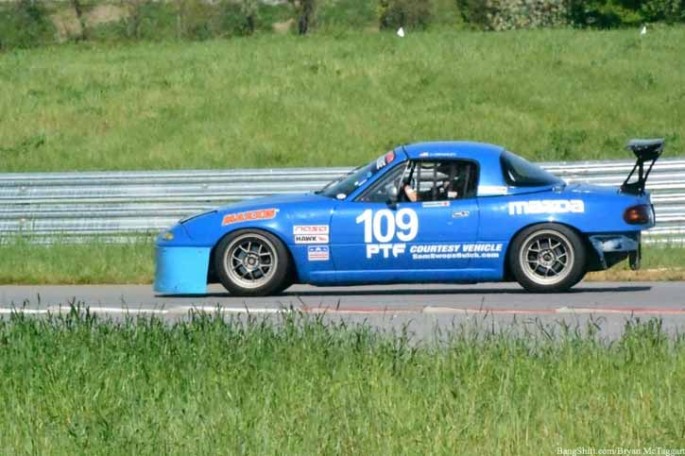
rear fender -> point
(507, 271)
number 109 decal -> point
(381, 227)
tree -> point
(304, 9)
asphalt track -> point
(423, 310)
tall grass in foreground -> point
(75, 384)
(340, 99)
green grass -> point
(63, 263)
(338, 99)
(79, 385)
(26, 263)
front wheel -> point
(547, 258)
(252, 263)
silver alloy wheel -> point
(250, 260)
(546, 257)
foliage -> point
(305, 11)
(149, 20)
(514, 14)
(669, 11)
(30, 23)
(617, 13)
(411, 14)
(204, 20)
(25, 24)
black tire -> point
(547, 258)
(252, 263)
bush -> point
(414, 14)
(188, 19)
(668, 11)
(346, 14)
(616, 13)
(25, 24)
(514, 14)
(604, 13)
(149, 20)
(305, 14)
(238, 18)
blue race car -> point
(449, 212)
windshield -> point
(344, 185)
(519, 172)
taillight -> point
(637, 215)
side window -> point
(387, 186)
(439, 181)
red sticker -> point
(389, 157)
(261, 214)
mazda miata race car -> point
(447, 212)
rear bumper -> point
(611, 248)
(181, 270)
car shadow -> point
(445, 291)
(414, 291)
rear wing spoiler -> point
(646, 151)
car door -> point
(409, 240)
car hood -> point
(274, 201)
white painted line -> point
(237, 310)
(10, 311)
(110, 310)
(599, 310)
(485, 311)
(450, 310)
(124, 310)
(586, 310)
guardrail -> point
(115, 205)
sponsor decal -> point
(385, 160)
(435, 204)
(310, 229)
(318, 253)
(492, 190)
(477, 250)
(546, 207)
(384, 226)
(249, 216)
(311, 239)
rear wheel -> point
(547, 258)
(252, 263)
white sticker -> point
(318, 253)
(382, 226)
(491, 190)
(478, 250)
(310, 229)
(311, 239)
(546, 207)
(436, 203)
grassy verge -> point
(74, 384)
(24, 263)
(60, 263)
(664, 262)
(338, 99)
